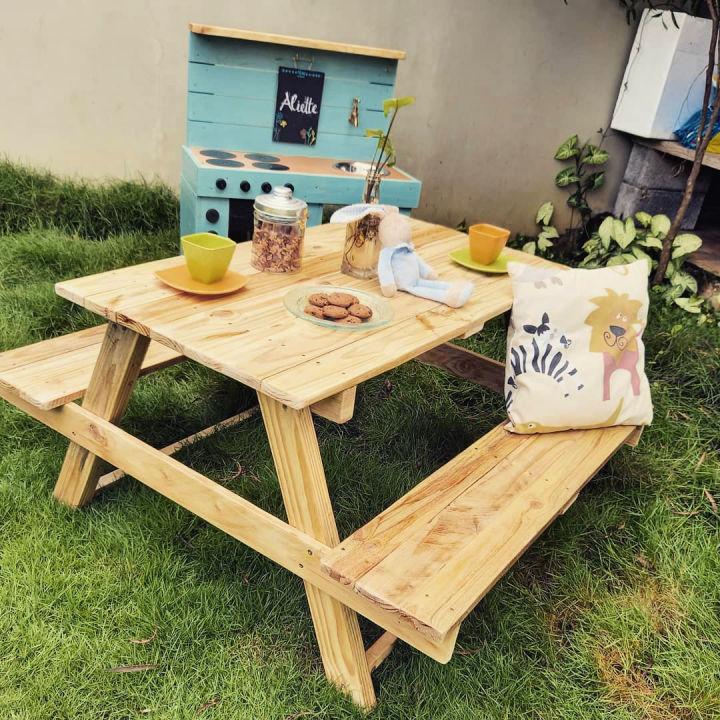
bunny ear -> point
(545, 318)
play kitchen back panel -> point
(265, 110)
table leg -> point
(301, 476)
(112, 381)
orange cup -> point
(486, 242)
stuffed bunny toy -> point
(401, 268)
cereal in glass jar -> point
(279, 231)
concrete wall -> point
(97, 88)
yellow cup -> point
(486, 242)
(207, 256)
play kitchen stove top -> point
(219, 186)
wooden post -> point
(301, 476)
(116, 369)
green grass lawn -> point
(613, 613)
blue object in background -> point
(230, 156)
(687, 133)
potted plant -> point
(362, 245)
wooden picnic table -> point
(418, 568)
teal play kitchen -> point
(267, 110)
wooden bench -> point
(54, 372)
(433, 554)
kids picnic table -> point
(419, 567)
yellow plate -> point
(462, 257)
(178, 277)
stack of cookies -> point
(339, 307)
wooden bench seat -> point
(433, 554)
(55, 372)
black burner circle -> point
(262, 157)
(270, 166)
(222, 162)
(217, 154)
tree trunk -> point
(704, 137)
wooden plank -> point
(240, 85)
(302, 481)
(257, 56)
(58, 371)
(561, 469)
(116, 369)
(633, 439)
(467, 365)
(45, 349)
(708, 256)
(671, 147)
(299, 42)
(338, 408)
(368, 546)
(253, 112)
(437, 551)
(409, 335)
(336, 368)
(239, 518)
(380, 649)
(111, 478)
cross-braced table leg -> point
(112, 381)
(301, 476)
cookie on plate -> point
(350, 320)
(361, 311)
(314, 310)
(344, 300)
(319, 299)
(334, 312)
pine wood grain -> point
(111, 478)
(380, 649)
(57, 371)
(338, 408)
(674, 148)
(301, 476)
(117, 367)
(467, 365)
(252, 338)
(434, 554)
(299, 42)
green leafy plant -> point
(384, 155)
(541, 244)
(581, 176)
(618, 242)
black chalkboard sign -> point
(297, 108)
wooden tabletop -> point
(251, 337)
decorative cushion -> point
(575, 356)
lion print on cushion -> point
(615, 329)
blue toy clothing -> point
(401, 268)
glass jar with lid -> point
(279, 231)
